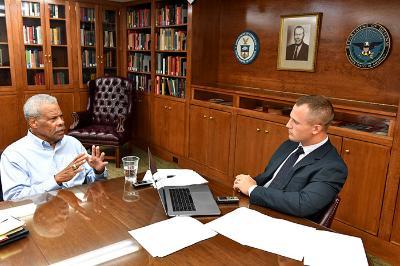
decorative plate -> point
(368, 45)
(246, 47)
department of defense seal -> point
(368, 45)
(246, 47)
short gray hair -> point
(33, 104)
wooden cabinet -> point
(141, 118)
(362, 194)
(256, 141)
(47, 46)
(7, 68)
(395, 235)
(209, 137)
(167, 125)
(98, 41)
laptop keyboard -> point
(181, 199)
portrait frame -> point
(298, 42)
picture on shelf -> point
(298, 42)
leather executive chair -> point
(108, 116)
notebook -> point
(192, 200)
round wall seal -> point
(368, 45)
(246, 47)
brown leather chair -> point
(106, 122)
(327, 216)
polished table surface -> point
(63, 227)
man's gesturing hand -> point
(72, 169)
(96, 161)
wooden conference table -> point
(62, 228)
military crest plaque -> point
(368, 45)
(246, 47)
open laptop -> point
(193, 200)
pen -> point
(169, 176)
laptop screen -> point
(152, 162)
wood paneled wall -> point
(334, 75)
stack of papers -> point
(175, 177)
(168, 236)
(11, 229)
(295, 241)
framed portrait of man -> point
(298, 42)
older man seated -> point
(46, 159)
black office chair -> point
(1, 187)
(326, 217)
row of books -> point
(56, 11)
(171, 86)
(56, 36)
(87, 14)
(138, 41)
(32, 34)
(37, 79)
(139, 18)
(34, 58)
(171, 39)
(140, 82)
(30, 9)
(109, 38)
(109, 60)
(172, 15)
(139, 62)
(11, 229)
(171, 65)
(60, 77)
(88, 58)
(1, 57)
(88, 37)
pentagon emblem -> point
(246, 47)
(368, 45)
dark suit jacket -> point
(310, 187)
(302, 55)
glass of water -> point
(130, 164)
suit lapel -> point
(307, 160)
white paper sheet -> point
(175, 177)
(330, 248)
(168, 236)
(257, 230)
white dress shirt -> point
(28, 166)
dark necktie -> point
(283, 174)
(295, 52)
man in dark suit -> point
(298, 50)
(306, 172)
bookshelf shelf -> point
(109, 48)
(3, 43)
(172, 26)
(139, 51)
(35, 68)
(171, 76)
(33, 44)
(59, 45)
(139, 72)
(31, 17)
(60, 68)
(171, 51)
(57, 19)
(4, 67)
(139, 28)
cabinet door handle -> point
(258, 130)
(211, 117)
(165, 107)
(347, 151)
(266, 131)
(204, 116)
(169, 108)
